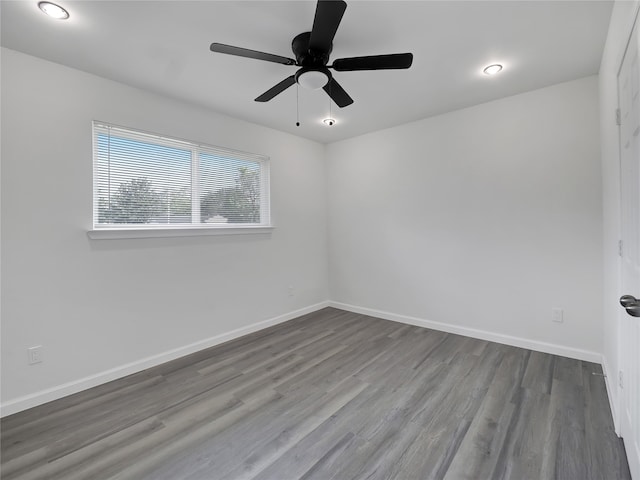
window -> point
(150, 182)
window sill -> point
(117, 233)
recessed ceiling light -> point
(329, 122)
(53, 10)
(492, 69)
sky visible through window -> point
(124, 159)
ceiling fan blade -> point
(245, 52)
(374, 62)
(277, 89)
(325, 24)
(337, 93)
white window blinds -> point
(142, 180)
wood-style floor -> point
(331, 395)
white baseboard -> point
(544, 347)
(610, 382)
(59, 391)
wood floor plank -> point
(521, 452)
(295, 429)
(605, 455)
(159, 451)
(478, 453)
(445, 420)
(329, 395)
(568, 370)
(311, 453)
(539, 374)
(563, 457)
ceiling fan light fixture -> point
(53, 10)
(312, 79)
(492, 69)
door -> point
(629, 104)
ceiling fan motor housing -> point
(306, 57)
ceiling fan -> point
(312, 50)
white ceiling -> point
(163, 46)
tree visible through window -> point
(146, 180)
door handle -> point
(628, 300)
(631, 304)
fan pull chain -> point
(297, 105)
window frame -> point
(195, 228)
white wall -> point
(482, 220)
(619, 31)
(116, 305)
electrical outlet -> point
(557, 314)
(291, 290)
(621, 379)
(34, 354)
